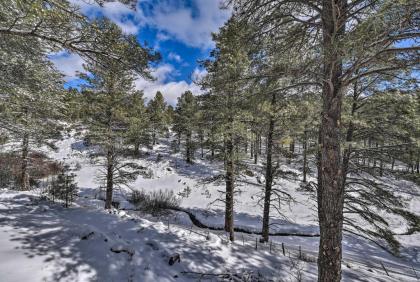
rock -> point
(153, 245)
(87, 236)
(261, 179)
(169, 169)
(174, 258)
(121, 249)
(249, 173)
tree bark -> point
(252, 148)
(256, 146)
(230, 185)
(109, 177)
(154, 137)
(24, 176)
(188, 148)
(137, 149)
(292, 146)
(201, 145)
(305, 161)
(330, 190)
(268, 178)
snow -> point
(42, 241)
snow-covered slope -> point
(42, 241)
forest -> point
(291, 152)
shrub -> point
(40, 166)
(155, 202)
(63, 187)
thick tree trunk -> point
(24, 176)
(109, 177)
(268, 180)
(230, 185)
(331, 188)
(305, 161)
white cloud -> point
(192, 26)
(174, 57)
(170, 90)
(68, 64)
(122, 15)
(198, 74)
(162, 36)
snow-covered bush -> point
(155, 202)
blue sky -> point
(179, 29)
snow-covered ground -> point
(42, 241)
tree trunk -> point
(252, 148)
(268, 178)
(364, 146)
(381, 163)
(201, 145)
(153, 137)
(246, 146)
(188, 148)
(230, 185)
(24, 176)
(305, 161)
(109, 177)
(212, 150)
(256, 149)
(331, 190)
(137, 149)
(292, 146)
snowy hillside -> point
(42, 241)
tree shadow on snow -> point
(91, 245)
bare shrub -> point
(40, 166)
(155, 202)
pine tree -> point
(156, 110)
(31, 99)
(63, 187)
(224, 73)
(347, 50)
(186, 118)
(138, 131)
(111, 86)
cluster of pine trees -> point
(34, 105)
(339, 77)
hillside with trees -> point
(293, 156)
